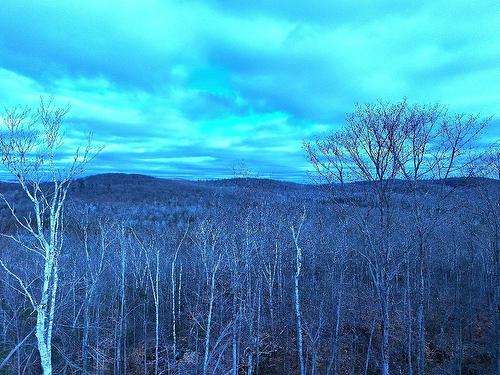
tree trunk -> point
(369, 349)
(420, 312)
(298, 311)
(209, 319)
(43, 346)
(385, 334)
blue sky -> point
(190, 89)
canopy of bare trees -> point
(389, 266)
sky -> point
(198, 89)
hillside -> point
(224, 253)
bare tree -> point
(367, 149)
(395, 268)
(436, 146)
(211, 257)
(380, 143)
(31, 150)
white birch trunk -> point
(298, 259)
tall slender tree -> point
(31, 146)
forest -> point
(385, 262)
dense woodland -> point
(389, 265)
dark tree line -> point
(389, 267)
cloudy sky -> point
(191, 89)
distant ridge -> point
(254, 183)
(260, 182)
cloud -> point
(202, 85)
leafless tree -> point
(31, 150)
(380, 143)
